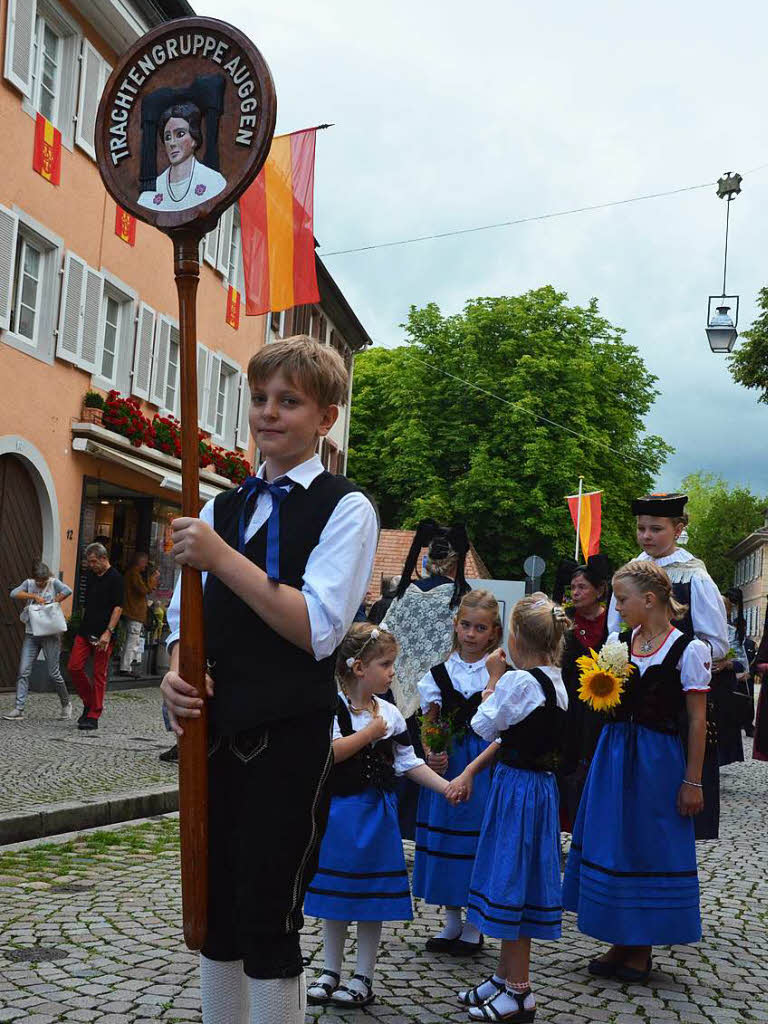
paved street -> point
(46, 761)
(105, 908)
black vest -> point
(371, 766)
(655, 699)
(260, 676)
(537, 742)
(682, 593)
(455, 706)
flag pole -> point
(578, 519)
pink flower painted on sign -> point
(199, 190)
(158, 198)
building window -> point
(111, 335)
(27, 291)
(46, 70)
(235, 261)
(172, 379)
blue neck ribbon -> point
(254, 485)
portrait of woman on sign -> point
(186, 181)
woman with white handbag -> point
(44, 625)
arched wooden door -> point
(21, 544)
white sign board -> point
(507, 593)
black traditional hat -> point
(442, 542)
(563, 576)
(669, 506)
(207, 93)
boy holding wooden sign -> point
(286, 559)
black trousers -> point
(268, 808)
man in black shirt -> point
(103, 608)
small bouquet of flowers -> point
(602, 676)
(437, 736)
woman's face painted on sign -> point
(179, 144)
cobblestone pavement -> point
(108, 904)
(46, 761)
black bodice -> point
(537, 742)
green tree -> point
(749, 363)
(427, 444)
(720, 516)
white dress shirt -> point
(405, 755)
(338, 569)
(695, 665)
(707, 608)
(517, 694)
(468, 678)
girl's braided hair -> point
(363, 642)
(647, 577)
(539, 627)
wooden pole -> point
(578, 522)
(193, 745)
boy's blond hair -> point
(318, 370)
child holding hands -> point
(362, 875)
(515, 886)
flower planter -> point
(89, 414)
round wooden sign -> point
(185, 123)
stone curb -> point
(75, 815)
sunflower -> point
(600, 689)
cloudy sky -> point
(450, 115)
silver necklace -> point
(180, 199)
(647, 645)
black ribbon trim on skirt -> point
(362, 874)
(507, 906)
(360, 895)
(448, 856)
(504, 920)
(446, 831)
(633, 874)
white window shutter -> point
(243, 430)
(71, 312)
(88, 97)
(176, 371)
(211, 246)
(160, 360)
(19, 37)
(9, 231)
(92, 337)
(202, 383)
(225, 240)
(214, 369)
(231, 409)
(142, 352)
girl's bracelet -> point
(687, 782)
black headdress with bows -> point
(441, 542)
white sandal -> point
(319, 992)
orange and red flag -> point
(46, 159)
(233, 307)
(125, 226)
(589, 522)
(276, 215)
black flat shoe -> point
(462, 948)
(603, 968)
(633, 974)
(319, 992)
(441, 945)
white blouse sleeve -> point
(708, 615)
(336, 730)
(517, 694)
(429, 692)
(404, 754)
(696, 667)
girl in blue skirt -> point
(361, 875)
(446, 836)
(515, 886)
(631, 873)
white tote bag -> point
(47, 619)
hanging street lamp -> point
(721, 326)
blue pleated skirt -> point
(361, 874)
(515, 888)
(631, 873)
(446, 837)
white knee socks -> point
(334, 937)
(453, 926)
(224, 993)
(368, 936)
(276, 1000)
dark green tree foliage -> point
(749, 363)
(720, 517)
(426, 444)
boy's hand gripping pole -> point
(193, 745)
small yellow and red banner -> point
(233, 307)
(276, 215)
(125, 225)
(588, 522)
(46, 159)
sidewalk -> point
(91, 932)
(57, 778)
